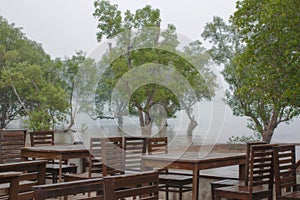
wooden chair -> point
(102, 150)
(43, 138)
(134, 148)
(11, 143)
(10, 179)
(42, 192)
(259, 183)
(169, 181)
(285, 173)
(94, 163)
(22, 176)
(113, 160)
(231, 182)
(143, 185)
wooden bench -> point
(143, 185)
(28, 173)
(10, 181)
(65, 189)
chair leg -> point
(180, 192)
(167, 192)
(216, 196)
(212, 192)
(54, 177)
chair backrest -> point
(11, 143)
(32, 173)
(248, 149)
(95, 158)
(157, 145)
(143, 185)
(134, 148)
(42, 192)
(113, 161)
(261, 166)
(284, 168)
(42, 138)
(11, 180)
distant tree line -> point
(32, 85)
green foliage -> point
(29, 81)
(38, 120)
(77, 79)
(244, 139)
(260, 52)
(143, 53)
(236, 141)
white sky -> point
(64, 26)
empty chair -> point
(94, 163)
(43, 138)
(143, 185)
(10, 180)
(113, 160)
(157, 145)
(232, 182)
(22, 175)
(285, 173)
(106, 158)
(169, 181)
(11, 143)
(134, 148)
(259, 183)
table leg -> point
(242, 172)
(195, 184)
(60, 170)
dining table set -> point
(264, 170)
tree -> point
(27, 83)
(73, 85)
(260, 51)
(145, 64)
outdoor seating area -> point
(149, 100)
(143, 168)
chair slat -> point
(285, 172)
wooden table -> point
(56, 152)
(195, 162)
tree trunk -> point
(148, 120)
(141, 118)
(147, 130)
(3, 125)
(267, 135)
(192, 125)
(163, 131)
(269, 127)
(72, 122)
(3, 120)
(120, 121)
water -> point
(215, 125)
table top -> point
(61, 148)
(194, 157)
